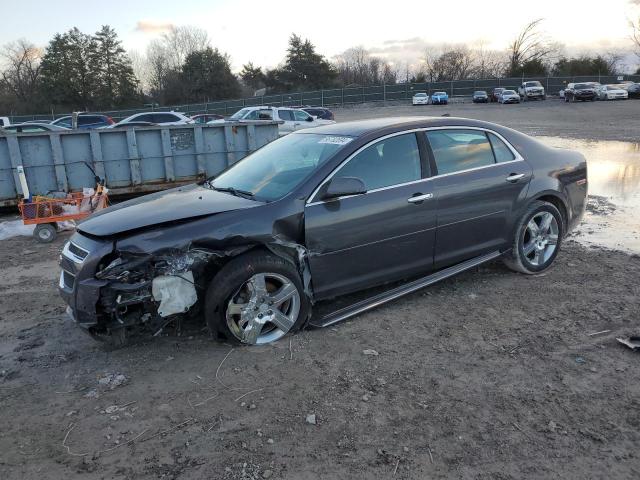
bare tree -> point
(179, 42)
(635, 35)
(530, 45)
(357, 66)
(21, 72)
(487, 63)
(452, 63)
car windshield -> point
(276, 169)
(421, 95)
(508, 92)
(479, 92)
(440, 93)
(581, 86)
(532, 84)
(240, 114)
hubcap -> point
(540, 238)
(263, 309)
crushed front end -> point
(109, 292)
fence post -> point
(363, 95)
(342, 94)
(384, 93)
(322, 98)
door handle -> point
(420, 198)
(514, 177)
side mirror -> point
(343, 186)
(310, 118)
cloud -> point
(147, 26)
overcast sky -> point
(258, 30)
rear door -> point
(383, 235)
(289, 121)
(480, 182)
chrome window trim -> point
(518, 158)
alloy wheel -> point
(263, 309)
(540, 238)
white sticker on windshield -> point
(335, 140)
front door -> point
(383, 235)
(480, 182)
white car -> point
(611, 92)
(4, 121)
(157, 118)
(509, 96)
(420, 98)
(292, 118)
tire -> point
(529, 254)
(235, 308)
(45, 232)
(566, 99)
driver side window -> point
(389, 162)
(301, 116)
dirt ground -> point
(489, 375)
(611, 120)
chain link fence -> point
(353, 95)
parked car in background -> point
(480, 96)
(206, 117)
(420, 98)
(321, 113)
(85, 121)
(611, 92)
(322, 213)
(633, 89)
(509, 96)
(580, 91)
(532, 90)
(495, 94)
(4, 121)
(33, 128)
(439, 98)
(159, 118)
(292, 118)
(132, 124)
(38, 121)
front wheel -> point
(256, 299)
(537, 239)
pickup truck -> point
(292, 118)
(532, 90)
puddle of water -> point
(614, 173)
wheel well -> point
(559, 204)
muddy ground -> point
(489, 375)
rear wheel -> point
(255, 299)
(537, 239)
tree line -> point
(78, 71)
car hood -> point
(168, 206)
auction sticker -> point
(335, 140)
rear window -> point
(89, 120)
(500, 150)
(164, 118)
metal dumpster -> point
(131, 160)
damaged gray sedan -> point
(318, 214)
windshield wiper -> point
(233, 191)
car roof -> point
(379, 125)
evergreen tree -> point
(253, 77)
(303, 68)
(67, 77)
(207, 76)
(115, 82)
